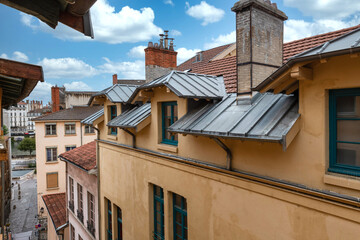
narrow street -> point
(23, 217)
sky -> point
(123, 28)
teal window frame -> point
(119, 223)
(158, 208)
(173, 119)
(109, 218)
(113, 114)
(334, 166)
(182, 210)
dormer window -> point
(199, 57)
(169, 113)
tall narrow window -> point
(180, 217)
(113, 114)
(109, 220)
(91, 213)
(70, 128)
(80, 211)
(119, 223)
(344, 123)
(72, 232)
(159, 233)
(51, 154)
(71, 194)
(169, 116)
(50, 129)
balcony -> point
(71, 206)
(91, 227)
(80, 215)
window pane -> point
(348, 154)
(178, 201)
(175, 112)
(168, 111)
(348, 130)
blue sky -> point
(122, 29)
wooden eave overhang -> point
(17, 80)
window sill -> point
(50, 135)
(51, 189)
(89, 134)
(168, 148)
(51, 162)
(342, 181)
(112, 137)
(70, 135)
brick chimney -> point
(259, 41)
(55, 99)
(160, 58)
(115, 79)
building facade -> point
(57, 133)
(195, 162)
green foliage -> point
(5, 129)
(27, 144)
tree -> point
(5, 129)
(27, 144)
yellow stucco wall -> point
(60, 140)
(221, 206)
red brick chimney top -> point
(115, 79)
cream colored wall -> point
(234, 206)
(51, 232)
(60, 141)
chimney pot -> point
(274, 5)
(156, 45)
(150, 44)
(268, 2)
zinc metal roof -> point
(90, 119)
(350, 40)
(131, 118)
(265, 117)
(118, 93)
(189, 85)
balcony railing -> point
(80, 215)
(91, 227)
(71, 206)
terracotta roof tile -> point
(227, 66)
(56, 206)
(83, 156)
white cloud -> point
(175, 33)
(19, 56)
(127, 25)
(137, 52)
(128, 70)
(184, 54)
(66, 68)
(297, 29)
(205, 12)
(325, 9)
(221, 40)
(77, 86)
(42, 91)
(3, 55)
(169, 2)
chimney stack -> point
(160, 58)
(259, 42)
(115, 79)
(55, 99)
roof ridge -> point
(323, 34)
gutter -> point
(61, 227)
(256, 178)
(133, 137)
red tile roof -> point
(227, 66)
(84, 156)
(56, 206)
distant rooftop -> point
(56, 206)
(83, 156)
(75, 113)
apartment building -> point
(57, 133)
(207, 157)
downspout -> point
(81, 136)
(133, 137)
(227, 150)
(98, 180)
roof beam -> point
(301, 73)
(21, 70)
